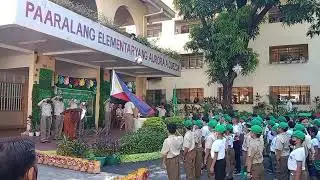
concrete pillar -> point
(141, 87)
(97, 99)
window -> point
(275, 15)
(181, 27)
(289, 54)
(241, 95)
(154, 30)
(192, 61)
(297, 94)
(156, 97)
(189, 95)
(11, 96)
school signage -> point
(49, 18)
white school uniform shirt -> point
(318, 136)
(229, 141)
(270, 137)
(236, 131)
(46, 109)
(273, 144)
(128, 107)
(58, 107)
(219, 146)
(205, 131)
(297, 155)
(315, 142)
(290, 131)
(162, 112)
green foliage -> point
(45, 78)
(145, 140)
(177, 120)
(154, 123)
(140, 157)
(105, 88)
(72, 148)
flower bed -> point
(77, 164)
(140, 174)
(140, 157)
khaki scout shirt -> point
(283, 143)
(209, 141)
(189, 140)
(198, 137)
(255, 149)
(245, 143)
(172, 146)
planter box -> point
(112, 160)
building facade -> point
(288, 66)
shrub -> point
(145, 140)
(154, 123)
(72, 148)
(140, 157)
(177, 120)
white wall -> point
(9, 62)
(265, 75)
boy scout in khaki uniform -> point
(230, 159)
(282, 152)
(199, 150)
(171, 153)
(208, 144)
(189, 152)
(255, 154)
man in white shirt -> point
(128, 116)
(58, 107)
(161, 111)
(237, 144)
(46, 119)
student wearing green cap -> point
(170, 151)
(255, 169)
(316, 122)
(198, 139)
(282, 151)
(208, 145)
(246, 140)
(218, 152)
(237, 144)
(307, 140)
(315, 144)
(230, 159)
(273, 149)
(297, 159)
(189, 153)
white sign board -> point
(49, 18)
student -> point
(307, 141)
(316, 122)
(205, 129)
(171, 152)
(315, 145)
(17, 159)
(297, 160)
(198, 140)
(236, 144)
(46, 119)
(218, 152)
(282, 151)
(189, 152)
(291, 127)
(273, 149)
(245, 144)
(255, 167)
(230, 161)
(208, 145)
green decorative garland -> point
(45, 78)
(105, 88)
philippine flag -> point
(120, 90)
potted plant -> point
(37, 129)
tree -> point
(226, 27)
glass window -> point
(154, 30)
(297, 94)
(192, 61)
(241, 95)
(181, 27)
(189, 95)
(156, 97)
(289, 54)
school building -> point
(288, 65)
(41, 39)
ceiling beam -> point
(15, 48)
(126, 67)
(125, 73)
(77, 62)
(68, 52)
(155, 75)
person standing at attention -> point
(129, 115)
(297, 159)
(282, 151)
(119, 115)
(255, 167)
(161, 111)
(230, 160)
(189, 152)
(237, 144)
(199, 150)
(107, 116)
(46, 119)
(208, 145)
(218, 152)
(171, 153)
(58, 107)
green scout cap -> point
(256, 129)
(283, 125)
(187, 123)
(255, 122)
(244, 118)
(229, 128)
(271, 122)
(299, 127)
(275, 127)
(305, 114)
(198, 123)
(227, 117)
(316, 122)
(212, 123)
(282, 119)
(220, 128)
(298, 134)
(272, 118)
(217, 117)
